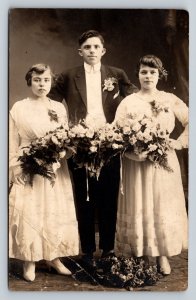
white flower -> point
(62, 135)
(126, 129)
(62, 154)
(93, 149)
(110, 135)
(121, 122)
(79, 130)
(132, 140)
(109, 83)
(140, 136)
(147, 136)
(102, 135)
(55, 140)
(136, 127)
(95, 142)
(152, 147)
(72, 134)
(55, 166)
(118, 137)
(147, 122)
(90, 133)
(116, 146)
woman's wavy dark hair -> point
(153, 62)
(38, 69)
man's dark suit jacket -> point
(71, 86)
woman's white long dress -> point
(152, 218)
(42, 218)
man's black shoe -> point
(88, 262)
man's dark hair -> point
(89, 34)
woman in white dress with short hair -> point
(152, 218)
(42, 219)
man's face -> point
(92, 50)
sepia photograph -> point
(98, 149)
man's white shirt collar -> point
(92, 69)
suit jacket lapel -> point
(81, 84)
(104, 75)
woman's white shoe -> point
(58, 266)
(164, 265)
(29, 270)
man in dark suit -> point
(94, 91)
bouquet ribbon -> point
(121, 176)
(87, 185)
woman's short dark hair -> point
(153, 62)
(89, 34)
(38, 69)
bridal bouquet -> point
(44, 154)
(96, 146)
(140, 134)
(88, 139)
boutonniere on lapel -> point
(109, 85)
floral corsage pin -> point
(158, 107)
(53, 115)
(109, 85)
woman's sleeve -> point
(63, 119)
(180, 110)
(14, 142)
(121, 111)
(126, 87)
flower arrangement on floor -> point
(44, 154)
(129, 273)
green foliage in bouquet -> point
(44, 154)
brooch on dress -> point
(53, 115)
(157, 107)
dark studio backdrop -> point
(51, 36)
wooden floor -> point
(46, 280)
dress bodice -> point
(32, 120)
(29, 119)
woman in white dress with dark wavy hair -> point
(152, 218)
(42, 219)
